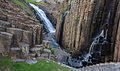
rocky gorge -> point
(84, 24)
(79, 33)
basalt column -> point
(82, 23)
(115, 39)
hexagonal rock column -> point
(16, 53)
(36, 50)
(27, 37)
(17, 35)
(5, 42)
(25, 48)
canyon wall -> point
(116, 35)
(85, 20)
(17, 28)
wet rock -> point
(5, 42)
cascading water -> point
(42, 16)
(62, 20)
(100, 40)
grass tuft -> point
(42, 65)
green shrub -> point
(19, 3)
(46, 47)
(52, 51)
(42, 51)
(34, 2)
(77, 17)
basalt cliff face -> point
(17, 29)
(84, 22)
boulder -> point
(5, 42)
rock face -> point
(6, 40)
(102, 67)
(18, 31)
(117, 42)
(84, 22)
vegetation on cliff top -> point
(42, 65)
(24, 7)
(34, 2)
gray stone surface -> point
(102, 67)
(46, 43)
(27, 37)
(17, 35)
(16, 53)
(4, 23)
(47, 51)
(25, 47)
(45, 55)
(5, 42)
(2, 29)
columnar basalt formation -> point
(84, 22)
(18, 30)
(116, 46)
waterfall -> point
(61, 23)
(42, 16)
(100, 39)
